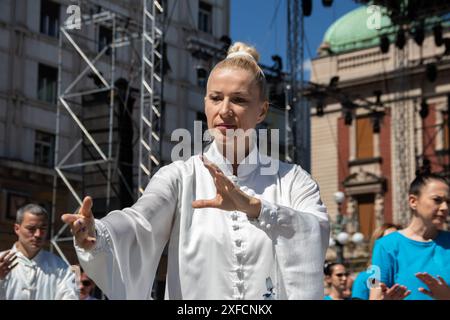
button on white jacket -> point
(215, 254)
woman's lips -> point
(224, 127)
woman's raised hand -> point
(437, 287)
(229, 197)
(82, 224)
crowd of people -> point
(405, 263)
(232, 230)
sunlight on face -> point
(232, 102)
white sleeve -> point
(3, 289)
(130, 241)
(301, 236)
(67, 288)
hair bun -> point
(243, 47)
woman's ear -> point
(412, 200)
(262, 115)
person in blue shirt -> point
(360, 288)
(336, 277)
(422, 247)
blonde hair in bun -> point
(245, 57)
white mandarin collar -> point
(30, 262)
(249, 164)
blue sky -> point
(263, 23)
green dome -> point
(350, 32)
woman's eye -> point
(239, 100)
(214, 98)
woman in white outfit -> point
(232, 230)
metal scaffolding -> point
(98, 160)
(151, 92)
(297, 113)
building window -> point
(14, 201)
(44, 145)
(50, 18)
(47, 83)
(366, 214)
(104, 39)
(202, 77)
(364, 138)
(205, 17)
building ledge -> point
(32, 168)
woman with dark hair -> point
(336, 277)
(422, 247)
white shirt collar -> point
(31, 262)
(249, 164)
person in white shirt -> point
(35, 274)
(233, 231)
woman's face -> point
(432, 204)
(338, 278)
(233, 102)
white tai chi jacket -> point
(215, 254)
(45, 277)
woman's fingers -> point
(442, 280)
(425, 291)
(82, 224)
(199, 204)
(86, 208)
(69, 218)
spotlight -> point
(327, 3)
(334, 82)
(431, 72)
(348, 117)
(419, 34)
(401, 39)
(384, 44)
(320, 107)
(378, 94)
(307, 7)
(347, 110)
(319, 111)
(376, 123)
(437, 31)
(424, 109)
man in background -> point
(29, 273)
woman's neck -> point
(418, 230)
(236, 158)
(336, 294)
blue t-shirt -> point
(359, 287)
(327, 298)
(400, 258)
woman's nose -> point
(225, 108)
